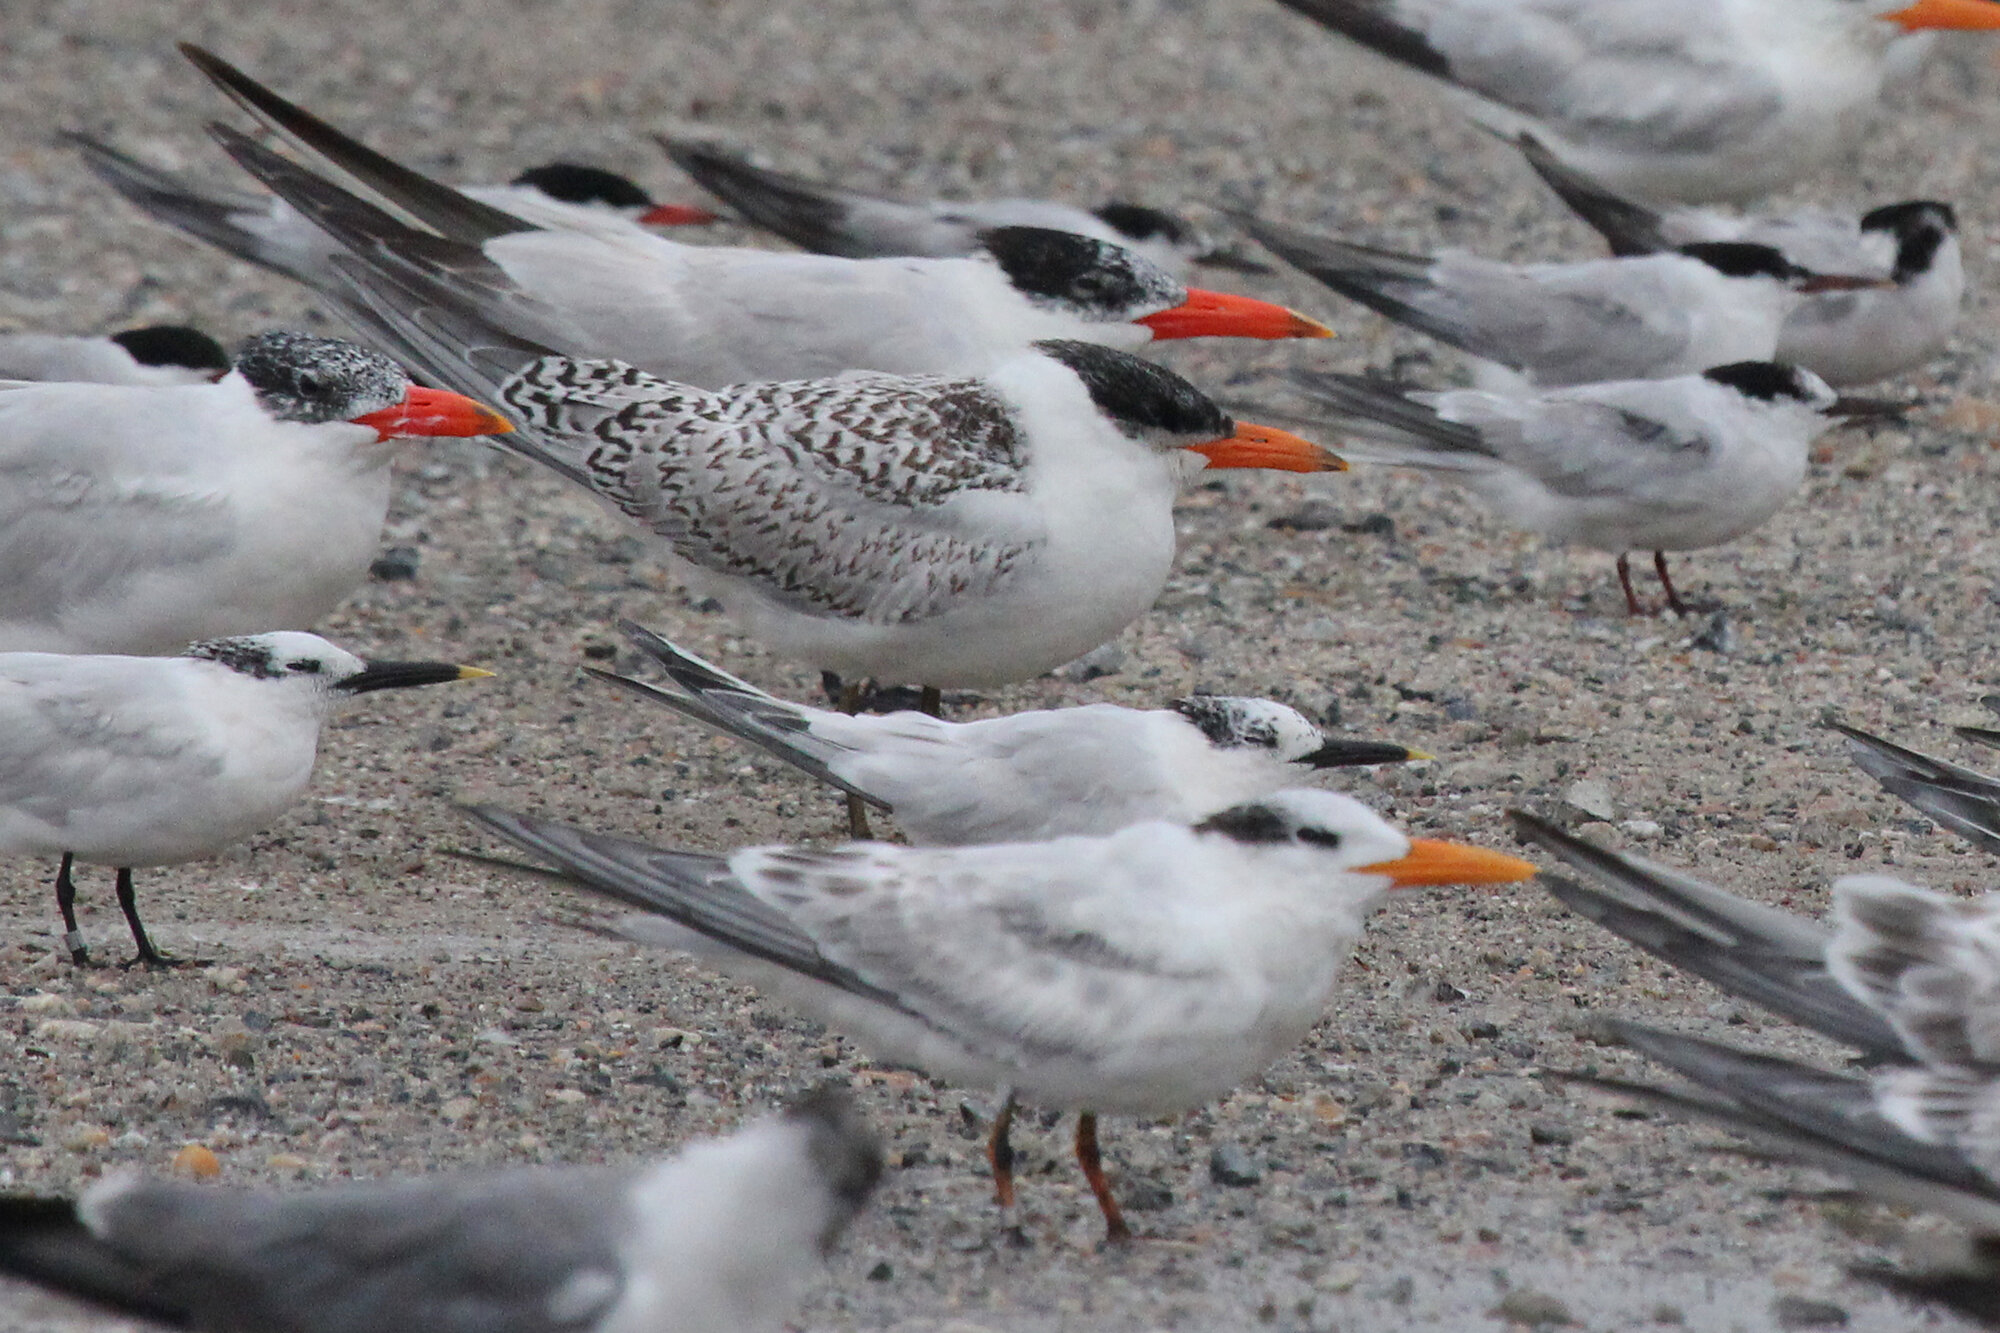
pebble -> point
(1802, 1312)
(86, 1138)
(1107, 660)
(1592, 796)
(198, 1161)
(1536, 1309)
(398, 564)
(1229, 1164)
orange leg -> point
(1000, 1154)
(1092, 1161)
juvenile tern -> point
(1144, 973)
(720, 1238)
(1024, 777)
(155, 354)
(1845, 337)
(712, 315)
(835, 220)
(137, 519)
(153, 761)
(1661, 465)
(1698, 101)
(1706, 303)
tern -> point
(1024, 777)
(1660, 465)
(836, 220)
(155, 354)
(1694, 102)
(154, 761)
(1706, 303)
(1845, 337)
(720, 1238)
(1144, 973)
(137, 519)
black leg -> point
(931, 701)
(1632, 607)
(66, 904)
(1673, 598)
(851, 696)
(128, 902)
(1092, 1161)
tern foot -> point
(155, 961)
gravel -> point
(378, 1007)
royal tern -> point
(833, 220)
(713, 316)
(152, 761)
(1905, 976)
(722, 1237)
(1707, 303)
(156, 354)
(137, 519)
(1699, 101)
(1144, 973)
(269, 232)
(942, 531)
(1659, 465)
(1845, 337)
(1024, 777)
(1963, 800)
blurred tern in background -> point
(157, 354)
(137, 519)
(152, 761)
(1145, 973)
(1693, 102)
(722, 1237)
(1844, 337)
(1963, 800)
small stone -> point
(1312, 516)
(66, 1029)
(1143, 1194)
(1592, 796)
(1641, 828)
(1718, 636)
(1105, 660)
(286, 1161)
(197, 1161)
(398, 564)
(1669, 1314)
(458, 1108)
(1229, 1164)
(1550, 1135)
(881, 1272)
(567, 1096)
(87, 1138)
(1460, 709)
(1536, 1309)
(55, 1006)
(1800, 1312)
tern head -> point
(316, 381)
(174, 345)
(1232, 723)
(306, 660)
(1744, 259)
(1920, 227)
(1100, 283)
(1351, 837)
(1776, 385)
(1151, 404)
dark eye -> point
(1319, 837)
(305, 666)
(311, 385)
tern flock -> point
(927, 452)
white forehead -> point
(272, 655)
(1230, 722)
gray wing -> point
(717, 699)
(1394, 285)
(1964, 801)
(1930, 965)
(1627, 226)
(1832, 1120)
(809, 214)
(1759, 953)
(1390, 415)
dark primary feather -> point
(1386, 281)
(1758, 953)
(439, 206)
(1358, 400)
(208, 216)
(1369, 23)
(44, 1242)
(1962, 800)
(1628, 228)
(809, 214)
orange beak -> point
(1431, 862)
(434, 412)
(1965, 15)
(1207, 314)
(678, 215)
(1269, 447)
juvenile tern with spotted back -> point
(153, 761)
(722, 1237)
(154, 354)
(1695, 102)
(1845, 337)
(1144, 973)
(1022, 777)
(1661, 465)
(837, 220)
(713, 316)
(1706, 303)
(135, 519)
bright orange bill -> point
(1269, 447)
(678, 215)
(435, 412)
(1961, 14)
(1207, 314)
(1433, 862)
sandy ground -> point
(378, 1007)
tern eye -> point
(305, 666)
(311, 385)
(1320, 837)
